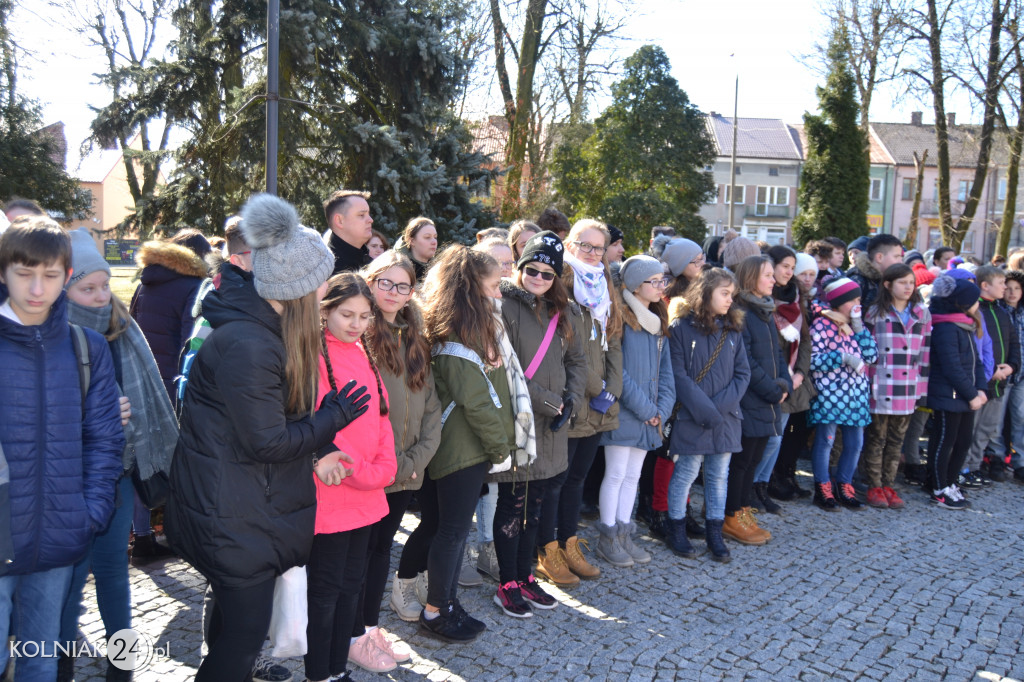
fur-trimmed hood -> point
(178, 259)
(867, 268)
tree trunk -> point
(950, 236)
(910, 240)
(1009, 221)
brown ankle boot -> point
(751, 521)
(551, 564)
(578, 563)
(735, 527)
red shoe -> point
(878, 498)
(894, 500)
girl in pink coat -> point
(345, 512)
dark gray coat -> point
(769, 374)
(709, 420)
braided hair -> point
(340, 288)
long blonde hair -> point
(300, 332)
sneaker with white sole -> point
(365, 654)
(947, 498)
(399, 651)
(510, 599)
(469, 576)
(266, 669)
(535, 595)
(403, 599)
(422, 580)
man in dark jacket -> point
(62, 453)
(882, 251)
(988, 422)
(348, 217)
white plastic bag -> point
(288, 621)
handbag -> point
(152, 491)
(289, 616)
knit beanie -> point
(858, 244)
(288, 260)
(737, 250)
(679, 253)
(616, 234)
(911, 256)
(85, 258)
(961, 274)
(840, 290)
(543, 247)
(962, 293)
(805, 262)
(638, 269)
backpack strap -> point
(81, 346)
(460, 351)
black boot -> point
(117, 675)
(676, 539)
(658, 525)
(824, 497)
(767, 503)
(693, 527)
(716, 545)
(65, 668)
(914, 474)
(644, 510)
(790, 480)
(780, 489)
(146, 550)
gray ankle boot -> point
(625, 532)
(608, 547)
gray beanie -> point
(288, 260)
(638, 269)
(679, 253)
(737, 250)
(85, 258)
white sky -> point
(767, 39)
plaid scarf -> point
(522, 406)
(789, 319)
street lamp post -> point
(273, 52)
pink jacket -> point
(359, 501)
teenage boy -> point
(1011, 436)
(63, 457)
(348, 217)
(882, 251)
(988, 422)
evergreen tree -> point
(834, 186)
(644, 163)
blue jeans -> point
(771, 453)
(716, 480)
(39, 598)
(1014, 411)
(853, 440)
(141, 517)
(108, 560)
(485, 508)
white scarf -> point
(590, 289)
(648, 320)
(522, 406)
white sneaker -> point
(954, 492)
(403, 599)
(421, 588)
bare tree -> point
(919, 163)
(1016, 138)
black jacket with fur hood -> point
(162, 303)
(867, 277)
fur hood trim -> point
(180, 259)
(866, 267)
(678, 308)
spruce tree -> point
(833, 198)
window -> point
(962, 190)
(1002, 190)
(770, 196)
(739, 171)
(908, 189)
(773, 171)
(713, 197)
(741, 194)
(876, 189)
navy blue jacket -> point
(769, 373)
(64, 462)
(709, 420)
(957, 373)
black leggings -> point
(947, 446)
(378, 563)
(446, 514)
(515, 527)
(239, 620)
(794, 442)
(564, 493)
(337, 566)
(741, 472)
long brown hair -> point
(383, 344)
(557, 299)
(516, 230)
(455, 303)
(340, 288)
(659, 308)
(698, 301)
(300, 334)
(880, 307)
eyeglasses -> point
(534, 272)
(656, 283)
(698, 260)
(387, 285)
(507, 264)
(590, 248)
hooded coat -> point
(867, 277)
(769, 373)
(162, 304)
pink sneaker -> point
(399, 650)
(365, 654)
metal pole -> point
(273, 39)
(732, 166)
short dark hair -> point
(836, 242)
(987, 273)
(882, 241)
(941, 250)
(1015, 276)
(35, 240)
(233, 233)
(554, 220)
(666, 230)
(336, 202)
(24, 204)
(192, 239)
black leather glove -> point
(561, 420)
(338, 409)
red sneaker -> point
(878, 498)
(894, 500)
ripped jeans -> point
(516, 520)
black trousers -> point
(564, 493)
(741, 472)
(515, 527)
(239, 621)
(337, 566)
(378, 561)
(948, 444)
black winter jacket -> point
(956, 373)
(242, 504)
(1005, 343)
(769, 373)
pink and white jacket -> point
(900, 377)
(369, 440)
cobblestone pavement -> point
(916, 594)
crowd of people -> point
(288, 397)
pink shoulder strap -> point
(542, 350)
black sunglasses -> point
(534, 272)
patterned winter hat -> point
(962, 293)
(840, 290)
(543, 247)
